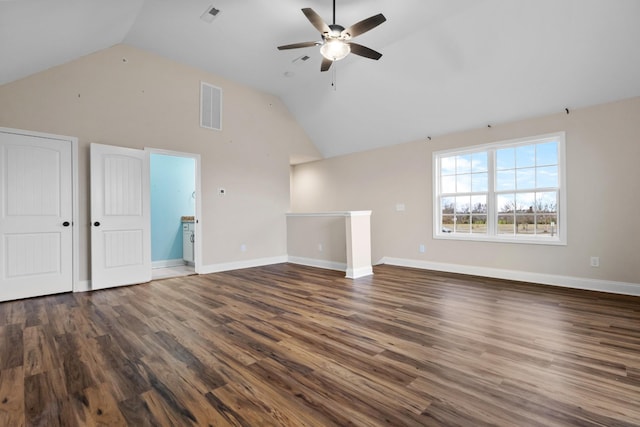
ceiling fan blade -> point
(298, 45)
(316, 20)
(326, 63)
(364, 25)
(360, 50)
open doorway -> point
(174, 182)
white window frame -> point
(492, 215)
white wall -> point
(127, 97)
(603, 179)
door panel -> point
(120, 217)
(36, 233)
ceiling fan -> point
(336, 40)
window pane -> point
(525, 202)
(447, 205)
(505, 158)
(479, 204)
(447, 223)
(463, 183)
(448, 184)
(546, 225)
(547, 177)
(525, 224)
(448, 165)
(479, 224)
(547, 154)
(463, 223)
(506, 203)
(479, 182)
(547, 202)
(479, 162)
(506, 180)
(505, 224)
(525, 178)
(463, 163)
(525, 156)
(463, 204)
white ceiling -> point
(447, 65)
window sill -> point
(528, 240)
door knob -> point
(97, 224)
(66, 224)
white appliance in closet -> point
(188, 238)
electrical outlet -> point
(595, 261)
(222, 191)
(400, 207)
(421, 248)
(243, 248)
(320, 247)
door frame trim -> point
(197, 255)
(75, 220)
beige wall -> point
(603, 181)
(127, 97)
(317, 237)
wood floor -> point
(286, 345)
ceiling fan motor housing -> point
(337, 32)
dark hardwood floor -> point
(288, 345)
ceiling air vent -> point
(210, 106)
(210, 14)
(301, 59)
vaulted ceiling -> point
(446, 65)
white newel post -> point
(358, 233)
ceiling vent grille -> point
(301, 59)
(210, 106)
(210, 14)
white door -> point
(120, 217)
(36, 231)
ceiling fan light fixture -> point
(335, 49)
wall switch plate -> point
(400, 207)
(595, 261)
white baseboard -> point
(168, 263)
(350, 273)
(356, 273)
(319, 263)
(523, 276)
(236, 265)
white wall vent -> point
(210, 106)
(301, 59)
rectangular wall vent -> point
(301, 59)
(210, 106)
(209, 14)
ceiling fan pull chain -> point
(334, 83)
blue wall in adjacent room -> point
(172, 186)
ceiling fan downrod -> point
(334, 12)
